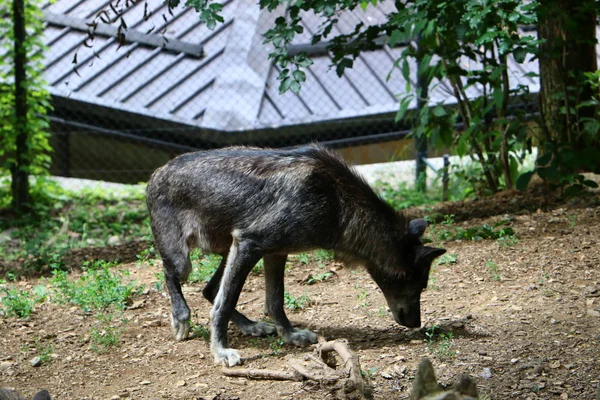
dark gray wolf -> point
(6, 394)
(249, 203)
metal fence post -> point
(421, 142)
(445, 177)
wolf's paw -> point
(180, 329)
(300, 337)
(227, 357)
(258, 328)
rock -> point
(486, 373)
(180, 383)
(113, 240)
(145, 383)
(35, 361)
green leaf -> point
(299, 76)
(523, 180)
(439, 111)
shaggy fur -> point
(248, 203)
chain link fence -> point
(126, 104)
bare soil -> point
(532, 334)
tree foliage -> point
(37, 148)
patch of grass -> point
(315, 278)
(381, 312)
(508, 241)
(446, 231)
(44, 351)
(303, 258)
(15, 302)
(440, 344)
(64, 219)
(446, 259)
(494, 270)
(275, 344)
(97, 289)
(203, 266)
(106, 331)
(369, 373)
(200, 331)
(259, 268)
(292, 302)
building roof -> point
(173, 68)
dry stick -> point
(318, 377)
(351, 362)
(262, 374)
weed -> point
(159, 284)
(259, 268)
(275, 344)
(477, 232)
(44, 352)
(572, 220)
(440, 346)
(203, 266)
(20, 303)
(97, 289)
(315, 278)
(323, 256)
(494, 270)
(107, 330)
(200, 331)
(446, 259)
(303, 258)
(369, 373)
(381, 312)
(296, 303)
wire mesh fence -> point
(125, 105)
(135, 84)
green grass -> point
(106, 331)
(440, 344)
(99, 288)
(15, 302)
(292, 302)
(447, 231)
(63, 220)
(494, 270)
(316, 278)
(203, 266)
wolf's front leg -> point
(243, 255)
(246, 325)
(274, 271)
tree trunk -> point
(568, 29)
(19, 171)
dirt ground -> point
(523, 320)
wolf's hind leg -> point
(246, 325)
(274, 271)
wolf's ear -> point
(417, 227)
(428, 254)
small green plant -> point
(446, 259)
(203, 266)
(494, 270)
(508, 241)
(296, 303)
(369, 373)
(315, 278)
(97, 289)
(200, 331)
(259, 268)
(303, 258)
(275, 344)
(44, 352)
(478, 232)
(107, 330)
(20, 303)
(572, 220)
(439, 343)
(381, 312)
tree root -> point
(347, 382)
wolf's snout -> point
(410, 320)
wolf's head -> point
(402, 289)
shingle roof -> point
(178, 70)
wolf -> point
(247, 203)
(7, 394)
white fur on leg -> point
(180, 329)
(226, 357)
